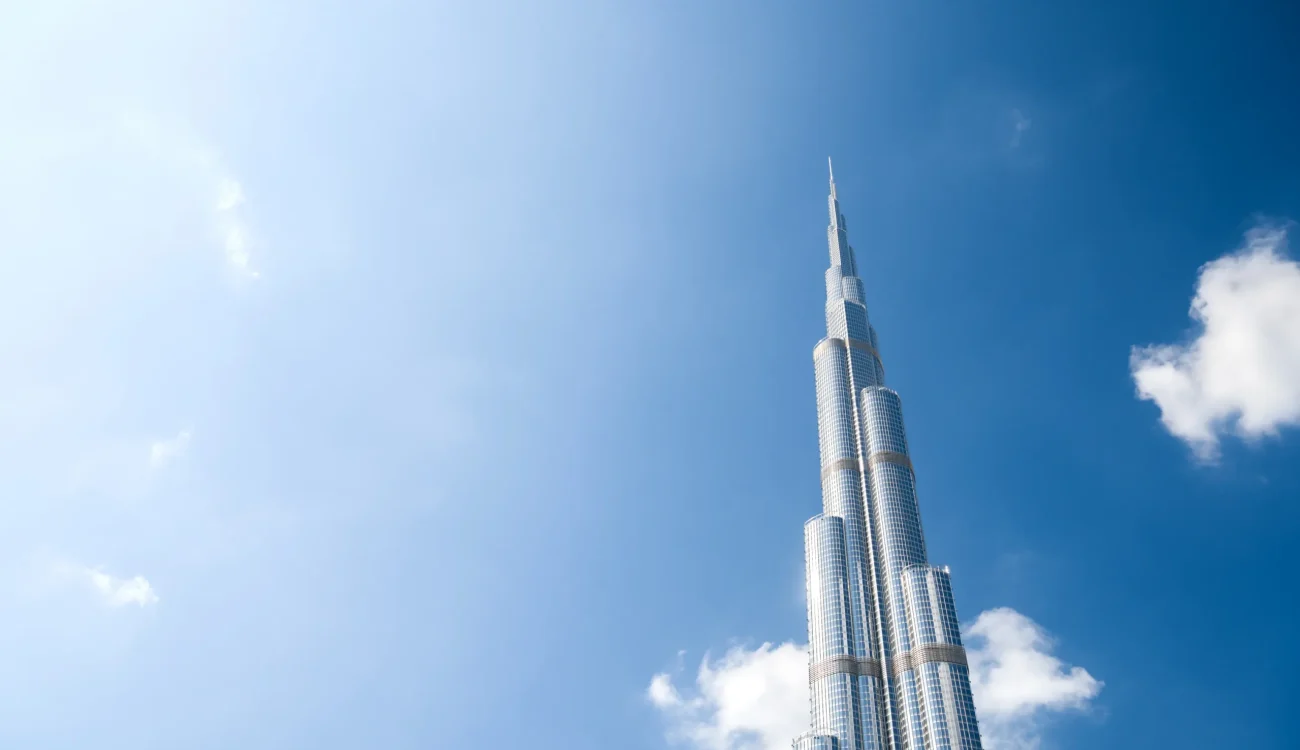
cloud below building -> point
(758, 699)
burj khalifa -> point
(887, 669)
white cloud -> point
(662, 693)
(118, 592)
(162, 452)
(747, 700)
(1241, 372)
(1016, 679)
(758, 699)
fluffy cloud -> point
(747, 700)
(1241, 371)
(164, 451)
(758, 699)
(118, 592)
(1017, 681)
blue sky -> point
(437, 374)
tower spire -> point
(836, 233)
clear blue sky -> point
(443, 369)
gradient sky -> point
(423, 375)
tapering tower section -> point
(887, 670)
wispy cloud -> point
(1019, 124)
(162, 452)
(119, 592)
(232, 228)
(174, 143)
(1240, 372)
(758, 699)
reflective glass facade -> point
(887, 669)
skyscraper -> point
(887, 670)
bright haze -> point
(438, 374)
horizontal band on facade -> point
(891, 457)
(844, 665)
(879, 457)
(849, 343)
(840, 465)
(864, 346)
(930, 652)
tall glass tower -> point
(886, 667)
